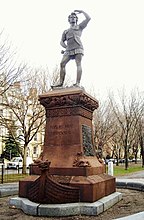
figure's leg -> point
(63, 63)
(78, 58)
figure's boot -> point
(62, 78)
(79, 74)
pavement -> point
(9, 189)
(133, 181)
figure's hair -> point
(74, 15)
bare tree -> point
(103, 121)
(140, 134)
(24, 105)
(127, 111)
(9, 70)
(117, 150)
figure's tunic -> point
(72, 36)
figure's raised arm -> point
(88, 18)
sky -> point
(113, 40)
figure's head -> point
(72, 18)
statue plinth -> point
(68, 145)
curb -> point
(9, 189)
(130, 184)
(68, 209)
(135, 184)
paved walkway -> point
(8, 189)
(132, 181)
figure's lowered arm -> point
(63, 44)
(63, 39)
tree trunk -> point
(117, 161)
(142, 150)
(143, 158)
(24, 159)
(136, 157)
(126, 157)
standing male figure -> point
(73, 46)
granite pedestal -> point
(75, 173)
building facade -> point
(21, 117)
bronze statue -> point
(73, 46)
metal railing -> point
(11, 175)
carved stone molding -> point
(68, 112)
(68, 100)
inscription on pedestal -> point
(60, 129)
(87, 141)
(62, 132)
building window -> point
(35, 137)
(35, 150)
(1, 112)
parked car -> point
(111, 160)
(17, 162)
(4, 162)
(121, 160)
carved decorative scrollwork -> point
(68, 112)
(46, 190)
(81, 161)
(43, 165)
(69, 100)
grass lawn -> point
(13, 177)
(120, 170)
